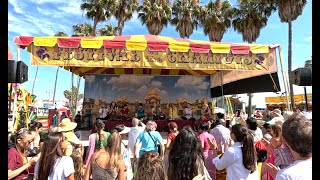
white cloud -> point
(50, 1)
(127, 81)
(309, 38)
(104, 79)
(142, 90)
(50, 12)
(72, 8)
(17, 6)
(156, 84)
(192, 82)
(89, 78)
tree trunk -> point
(290, 64)
(120, 27)
(95, 23)
(55, 87)
(77, 92)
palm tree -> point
(82, 29)
(290, 10)
(98, 11)
(60, 34)
(186, 14)
(249, 19)
(155, 14)
(216, 19)
(108, 30)
(124, 12)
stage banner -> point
(124, 58)
(171, 93)
(231, 76)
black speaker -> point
(17, 72)
(302, 76)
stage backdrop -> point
(171, 92)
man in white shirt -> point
(221, 134)
(187, 112)
(103, 112)
(297, 134)
(134, 133)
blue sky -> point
(45, 17)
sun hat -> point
(71, 137)
(66, 125)
(277, 112)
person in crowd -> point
(173, 128)
(238, 118)
(77, 119)
(123, 131)
(252, 126)
(78, 165)
(277, 117)
(35, 128)
(205, 112)
(18, 165)
(185, 159)
(221, 134)
(265, 128)
(135, 130)
(107, 164)
(53, 164)
(97, 141)
(207, 151)
(187, 113)
(149, 140)
(298, 110)
(139, 113)
(124, 112)
(113, 109)
(267, 117)
(240, 159)
(150, 167)
(63, 116)
(10, 140)
(55, 118)
(297, 134)
(156, 110)
(104, 112)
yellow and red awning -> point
(144, 54)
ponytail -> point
(248, 150)
(100, 125)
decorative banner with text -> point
(123, 58)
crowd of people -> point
(280, 148)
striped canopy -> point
(142, 43)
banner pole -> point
(285, 78)
(222, 89)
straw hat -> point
(66, 125)
(277, 112)
(71, 137)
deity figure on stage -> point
(113, 109)
(205, 112)
(125, 113)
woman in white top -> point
(252, 125)
(53, 165)
(239, 160)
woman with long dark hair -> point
(18, 165)
(107, 164)
(185, 159)
(97, 141)
(240, 159)
(53, 165)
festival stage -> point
(162, 125)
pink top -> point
(203, 138)
(92, 142)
